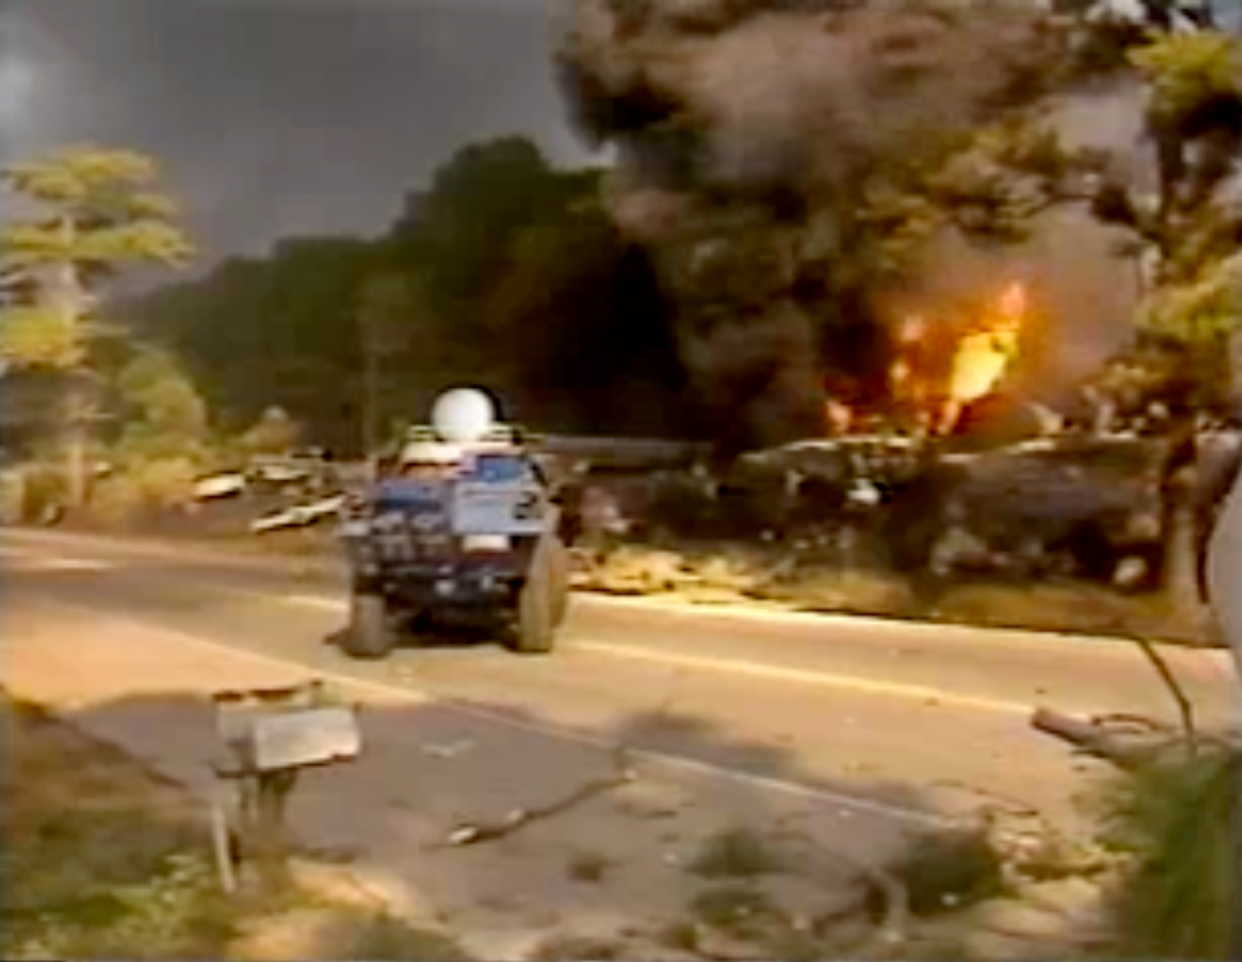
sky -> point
(280, 117)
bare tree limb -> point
(623, 773)
(1185, 707)
(476, 832)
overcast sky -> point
(275, 117)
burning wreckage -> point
(963, 477)
(757, 145)
(959, 478)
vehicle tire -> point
(534, 629)
(370, 634)
(558, 580)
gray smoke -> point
(747, 131)
(275, 117)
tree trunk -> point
(77, 466)
(1181, 568)
(66, 295)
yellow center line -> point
(923, 693)
(751, 669)
(732, 666)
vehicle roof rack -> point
(499, 434)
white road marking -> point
(414, 695)
(26, 560)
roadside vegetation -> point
(1180, 820)
(101, 859)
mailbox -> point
(269, 735)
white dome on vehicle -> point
(463, 415)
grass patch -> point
(944, 871)
(100, 860)
(682, 936)
(573, 948)
(738, 571)
(1180, 819)
(735, 908)
(736, 853)
(387, 937)
(589, 867)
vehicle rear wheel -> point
(370, 633)
(534, 630)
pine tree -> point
(84, 215)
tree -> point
(505, 271)
(92, 214)
(165, 416)
(1189, 231)
(277, 330)
(385, 304)
(578, 327)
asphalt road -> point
(899, 715)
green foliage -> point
(385, 936)
(39, 337)
(942, 871)
(273, 332)
(1180, 817)
(505, 272)
(144, 483)
(93, 214)
(1192, 228)
(1184, 71)
(1205, 310)
(44, 487)
(1008, 174)
(110, 882)
(737, 853)
(165, 414)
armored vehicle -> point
(466, 523)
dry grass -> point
(737, 575)
(102, 859)
(736, 853)
(945, 871)
(589, 867)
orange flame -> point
(971, 367)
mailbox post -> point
(269, 736)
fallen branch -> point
(476, 832)
(624, 773)
(1092, 738)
